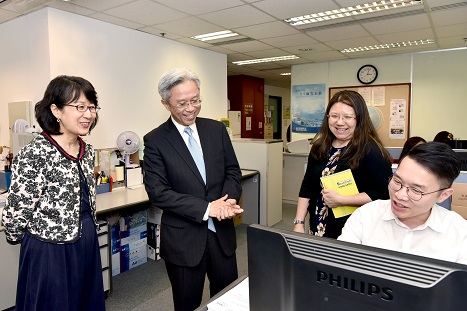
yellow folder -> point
(344, 183)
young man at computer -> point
(411, 221)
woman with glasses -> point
(412, 221)
(51, 206)
(347, 140)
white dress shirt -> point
(194, 132)
(443, 236)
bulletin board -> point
(389, 108)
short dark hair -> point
(443, 137)
(439, 159)
(61, 91)
(409, 144)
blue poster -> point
(308, 107)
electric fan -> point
(20, 126)
(128, 143)
(21, 135)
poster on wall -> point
(308, 107)
(397, 127)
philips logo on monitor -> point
(361, 287)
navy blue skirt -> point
(65, 277)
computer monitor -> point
(292, 271)
(395, 152)
(462, 153)
(457, 143)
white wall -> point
(24, 64)
(438, 78)
(439, 92)
(124, 66)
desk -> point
(204, 307)
(107, 203)
(126, 198)
(121, 198)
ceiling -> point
(260, 24)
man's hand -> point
(224, 208)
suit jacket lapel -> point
(206, 144)
(176, 141)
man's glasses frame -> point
(413, 193)
(184, 104)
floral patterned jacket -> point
(44, 198)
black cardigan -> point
(371, 177)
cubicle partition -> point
(264, 156)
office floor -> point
(147, 287)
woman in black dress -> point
(347, 140)
(51, 206)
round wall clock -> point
(367, 74)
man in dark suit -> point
(199, 199)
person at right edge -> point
(347, 139)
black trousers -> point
(188, 282)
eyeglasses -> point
(184, 104)
(84, 108)
(336, 117)
(413, 193)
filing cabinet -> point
(103, 236)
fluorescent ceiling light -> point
(351, 11)
(215, 35)
(265, 60)
(388, 46)
(286, 74)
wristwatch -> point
(296, 221)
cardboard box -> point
(133, 244)
(133, 254)
(128, 241)
(114, 224)
(115, 248)
(459, 197)
(153, 241)
(461, 210)
(133, 226)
